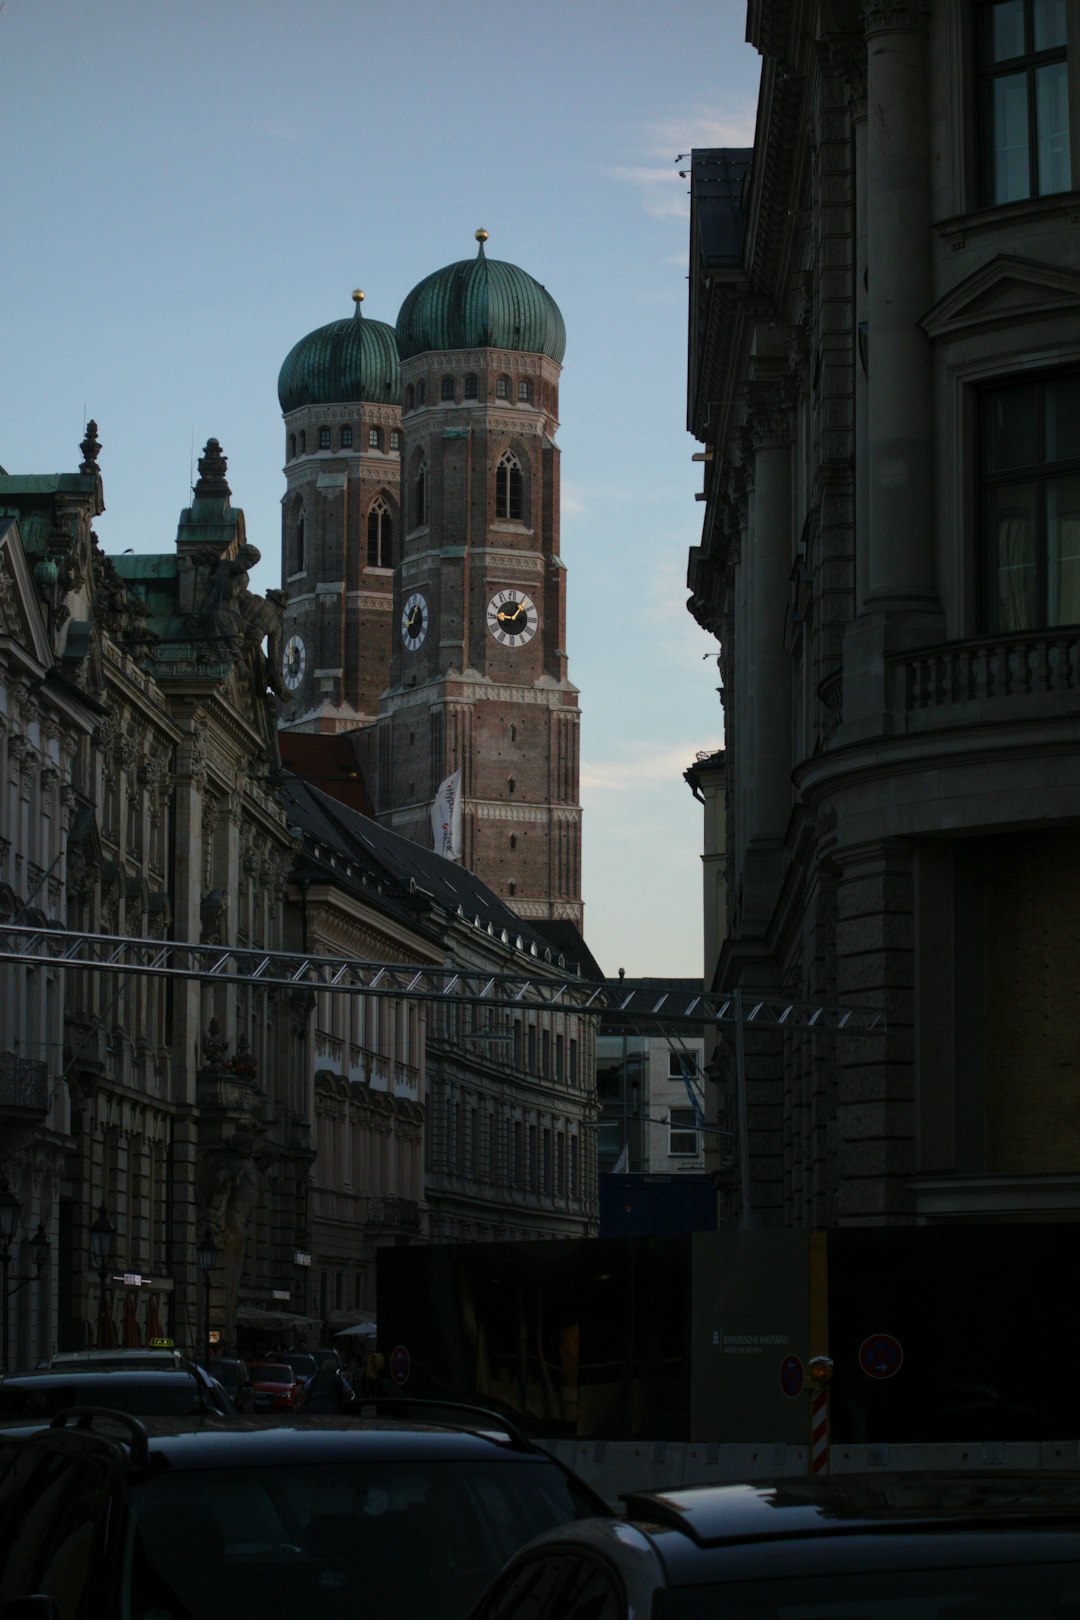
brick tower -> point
(339, 390)
(478, 674)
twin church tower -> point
(426, 605)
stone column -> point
(766, 662)
(900, 562)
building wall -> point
(902, 784)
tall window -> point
(508, 487)
(374, 438)
(1030, 455)
(502, 388)
(298, 546)
(1024, 99)
(324, 438)
(524, 389)
(420, 492)
(448, 388)
(346, 437)
(470, 387)
(395, 439)
(380, 536)
(682, 1132)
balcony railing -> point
(986, 679)
(24, 1084)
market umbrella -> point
(153, 1320)
(131, 1326)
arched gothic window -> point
(421, 391)
(470, 387)
(374, 438)
(324, 438)
(448, 388)
(346, 438)
(298, 546)
(303, 442)
(292, 446)
(420, 501)
(410, 397)
(380, 535)
(508, 487)
(502, 388)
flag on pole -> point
(446, 818)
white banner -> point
(446, 818)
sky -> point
(191, 187)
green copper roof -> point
(347, 361)
(481, 303)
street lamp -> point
(102, 1243)
(10, 1210)
(207, 1256)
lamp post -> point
(10, 1210)
(102, 1243)
(207, 1256)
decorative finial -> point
(481, 236)
(212, 467)
(358, 297)
(90, 449)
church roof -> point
(481, 303)
(350, 360)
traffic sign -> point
(880, 1355)
(400, 1364)
(791, 1375)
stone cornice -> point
(896, 16)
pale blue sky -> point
(190, 187)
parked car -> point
(35, 1398)
(275, 1386)
(147, 1360)
(233, 1375)
(104, 1515)
(900, 1547)
(302, 1362)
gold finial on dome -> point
(357, 297)
(481, 235)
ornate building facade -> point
(884, 363)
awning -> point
(359, 1330)
(252, 1316)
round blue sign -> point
(791, 1375)
(880, 1355)
(400, 1364)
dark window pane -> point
(1049, 17)
(1062, 427)
(1063, 550)
(1052, 128)
(1010, 173)
(1012, 428)
(1015, 574)
(1004, 31)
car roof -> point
(81, 1376)
(719, 1515)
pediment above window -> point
(1005, 290)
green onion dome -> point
(347, 361)
(481, 303)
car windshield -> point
(263, 1372)
(384, 1541)
(998, 1591)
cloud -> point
(664, 192)
(642, 768)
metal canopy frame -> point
(285, 970)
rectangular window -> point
(560, 1164)
(532, 1049)
(532, 1159)
(545, 1053)
(1024, 99)
(547, 1159)
(573, 1062)
(573, 1167)
(324, 438)
(524, 388)
(517, 1045)
(683, 1137)
(1030, 472)
(519, 1154)
(346, 438)
(502, 388)
(395, 440)
(560, 1059)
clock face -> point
(414, 621)
(512, 618)
(293, 662)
